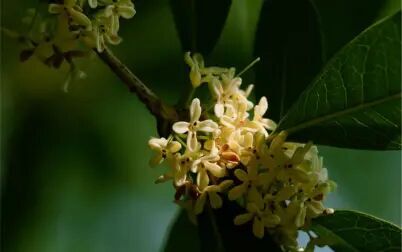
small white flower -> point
(249, 178)
(260, 123)
(204, 164)
(163, 149)
(260, 218)
(192, 127)
(102, 34)
(117, 9)
(196, 63)
(236, 116)
(223, 92)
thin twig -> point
(154, 104)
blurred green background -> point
(74, 167)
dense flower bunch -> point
(234, 152)
(71, 27)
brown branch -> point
(163, 112)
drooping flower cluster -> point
(70, 28)
(233, 152)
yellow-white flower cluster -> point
(74, 25)
(70, 29)
(232, 152)
(97, 28)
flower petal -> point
(236, 192)
(241, 175)
(215, 169)
(215, 200)
(268, 124)
(219, 110)
(114, 24)
(157, 143)
(195, 110)
(207, 126)
(195, 77)
(199, 204)
(126, 11)
(271, 220)
(180, 177)
(202, 179)
(55, 8)
(264, 178)
(180, 127)
(285, 193)
(258, 228)
(224, 185)
(300, 217)
(192, 142)
(255, 197)
(81, 18)
(113, 39)
(262, 107)
(243, 218)
(174, 146)
(108, 11)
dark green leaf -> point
(218, 232)
(288, 40)
(353, 231)
(199, 22)
(356, 101)
(183, 235)
(342, 20)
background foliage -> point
(75, 173)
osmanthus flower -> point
(223, 91)
(206, 164)
(248, 179)
(194, 125)
(116, 9)
(293, 216)
(100, 35)
(73, 12)
(227, 91)
(211, 192)
(199, 73)
(235, 116)
(259, 122)
(75, 27)
(196, 63)
(280, 185)
(163, 149)
(261, 218)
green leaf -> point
(218, 232)
(183, 235)
(339, 23)
(288, 40)
(356, 100)
(199, 22)
(353, 231)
